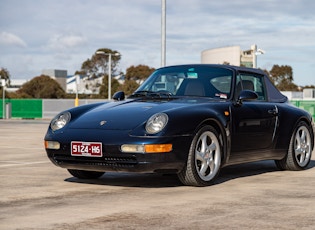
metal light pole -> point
(109, 70)
(109, 76)
(256, 52)
(76, 102)
(163, 34)
(3, 97)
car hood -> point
(128, 114)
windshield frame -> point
(217, 80)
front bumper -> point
(113, 159)
(161, 162)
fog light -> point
(132, 148)
(52, 145)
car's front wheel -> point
(204, 159)
(82, 174)
(300, 149)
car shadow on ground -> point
(149, 180)
(250, 169)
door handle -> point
(273, 111)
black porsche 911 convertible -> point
(188, 119)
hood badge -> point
(102, 123)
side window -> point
(251, 82)
(221, 86)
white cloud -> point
(11, 39)
(62, 42)
(68, 35)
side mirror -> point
(246, 95)
(119, 96)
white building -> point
(293, 95)
(59, 75)
(15, 84)
(88, 85)
(83, 84)
(231, 55)
(309, 94)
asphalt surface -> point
(35, 194)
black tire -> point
(280, 164)
(204, 158)
(300, 149)
(81, 174)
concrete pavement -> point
(35, 194)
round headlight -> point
(156, 123)
(60, 121)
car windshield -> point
(200, 81)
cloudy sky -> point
(61, 34)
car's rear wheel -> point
(204, 158)
(82, 174)
(300, 149)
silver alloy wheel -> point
(207, 156)
(302, 146)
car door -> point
(254, 122)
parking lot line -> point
(16, 163)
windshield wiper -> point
(151, 94)
(142, 93)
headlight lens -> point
(156, 123)
(60, 121)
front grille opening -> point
(111, 161)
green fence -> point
(33, 108)
(22, 108)
(306, 105)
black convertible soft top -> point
(274, 95)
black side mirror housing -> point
(119, 96)
(246, 95)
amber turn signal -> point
(158, 148)
(151, 148)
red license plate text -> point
(88, 149)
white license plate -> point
(88, 149)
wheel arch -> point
(291, 115)
(291, 161)
(309, 123)
(224, 135)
